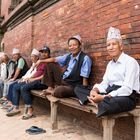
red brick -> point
(89, 18)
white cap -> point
(78, 37)
(2, 54)
(15, 51)
(35, 52)
(114, 33)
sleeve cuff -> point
(101, 90)
(113, 93)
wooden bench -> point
(108, 122)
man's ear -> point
(121, 47)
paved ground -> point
(13, 128)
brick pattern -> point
(19, 37)
(4, 7)
(90, 19)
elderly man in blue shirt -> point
(116, 93)
(78, 68)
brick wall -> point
(89, 18)
(4, 8)
(19, 37)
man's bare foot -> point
(49, 90)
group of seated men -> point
(115, 94)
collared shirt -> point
(30, 72)
(3, 72)
(11, 67)
(125, 72)
(21, 63)
(85, 68)
(40, 70)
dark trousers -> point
(108, 105)
(16, 93)
(1, 88)
(10, 91)
(116, 105)
(82, 92)
(26, 88)
(63, 91)
(52, 75)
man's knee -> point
(16, 87)
(59, 91)
(23, 89)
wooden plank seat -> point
(38, 93)
(108, 122)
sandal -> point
(13, 113)
(28, 116)
(6, 107)
(2, 100)
(33, 130)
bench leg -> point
(137, 127)
(54, 122)
(108, 124)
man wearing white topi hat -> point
(35, 52)
(3, 73)
(116, 93)
(20, 69)
(7, 68)
(34, 57)
(15, 51)
(14, 109)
